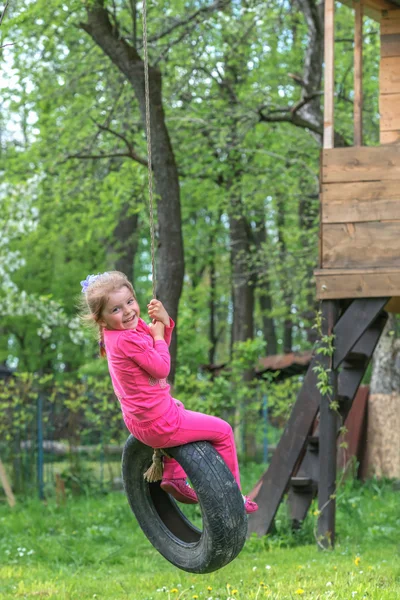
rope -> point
(155, 471)
(148, 135)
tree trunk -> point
(170, 258)
(242, 278)
(264, 288)
(269, 330)
(127, 239)
(212, 306)
(287, 289)
(243, 308)
(313, 64)
(384, 406)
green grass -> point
(93, 548)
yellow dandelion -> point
(234, 591)
(262, 583)
(357, 561)
(195, 597)
(335, 568)
(299, 592)
(174, 591)
(209, 588)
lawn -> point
(93, 548)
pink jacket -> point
(139, 367)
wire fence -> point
(60, 438)
(66, 437)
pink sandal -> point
(180, 490)
(249, 505)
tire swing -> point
(221, 502)
(164, 524)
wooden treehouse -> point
(358, 279)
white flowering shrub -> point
(19, 217)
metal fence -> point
(57, 439)
(60, 438)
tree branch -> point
(304, 101)
(131, 151)
(1, 21)
(107, 36)
(172, 43)
(288, 113)
(288, 116)
(217, 5)
(3, 15)
(96, 156)
(297, 79)
(223, 82)
(108, 117)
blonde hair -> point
(96, 297)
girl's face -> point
(121, 311)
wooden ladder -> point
(294, 465)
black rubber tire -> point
(167, 528)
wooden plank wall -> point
(360, 208)
(360, 195)
(389, 98)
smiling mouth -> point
(132, 318)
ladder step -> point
(301, 484)
(313, 443)
(353, 359)
(353, 324)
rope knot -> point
(155, 471)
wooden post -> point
(40, 453)
(358, 78)
(329, 80)
(60, 490)
(327, 439)
(6, 486)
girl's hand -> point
(157, 330)
(157, 312)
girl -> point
(139, 363)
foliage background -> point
(73, 188)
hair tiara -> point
(89, 280)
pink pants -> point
(179, 426)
